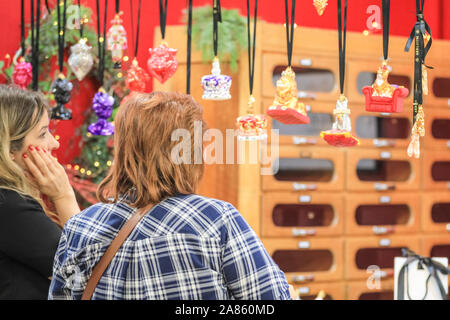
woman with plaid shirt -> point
(187, 246)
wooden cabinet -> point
(309, 214)
(436, 166)
(368, 290)
(382, 170)
(362, 253)
(306, 169)
(305, 261)
(381, 214)
(332, 290)
(439, 88)
(436, 212)
(437, 129)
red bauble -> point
(339, 138)
(288, 116)
(22, 74)
(137, 78)
(162, 63)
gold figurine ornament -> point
(381, 86)
(320, 6)
(418, 131)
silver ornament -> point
(80, 60)
(216, 86)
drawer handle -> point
(302, 186)
(303, 279)
(385, 242)
(303, 140)
(385, 199)
(448, 144)
(304, 199)
(306, 62)
(383, 230)
(306, 95)
(304, 245)
(303, 290)
(303, 232)
(383, 274)
(448, 227)
(383, 143)
(383, 187)
(385, 155)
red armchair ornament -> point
(382, 96)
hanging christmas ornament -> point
(251, 126)
(117, 40)
(162, 63)
(340, 134)
(80, 59)
(137, 77)
(215, 85)
(285, 108)
(419, 34)
(23, 72)
(382, 96)
(61, 87)
(102, 102)
(320, 6)
(103, 108)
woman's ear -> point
(13, 157)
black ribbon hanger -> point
(162, 17)
(342, 30)
(217, 17)
(61, 33)
(22, 28)
(136, 42)
(290, 30)
(189, 48)
(386, 4)
(101, 42)
(117, 6)
(35, 29)
(251, 52)
(81, 20)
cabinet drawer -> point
(437, 128)
(381, 130)
(316, 76)
(306, 169)
(302, 214)
(439, 88)
(332, 290)
(381, 214)
(307, 261)
(365, 290)
(363, 73)
(362, 253)
(321, 118)
(436, 170)
(436, 246)
(436, 212)
(382, 170)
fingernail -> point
(45, 151)
(24, 156)
(38, 149)
(31, 148)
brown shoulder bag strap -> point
(115, 245)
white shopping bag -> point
(415, 282)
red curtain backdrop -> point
(437, 13)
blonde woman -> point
(187, 246)
(29, 231)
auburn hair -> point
(142, 168)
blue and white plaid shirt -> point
(187, 247)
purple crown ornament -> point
(103, 107)
(216, 86)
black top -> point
(28, 242)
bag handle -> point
(115, 245)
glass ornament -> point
(162, 63)
(215, 85)
(61, 89)
(23, 73)
(117, 41)
(252, 127)
(103, 108)
(80, 59)
(320, 6)
(137, 77)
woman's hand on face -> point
(47, 173)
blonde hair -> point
(142, 149)
(20, 112)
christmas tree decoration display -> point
(137, 77)
(102, 102)
(340, 134)
(418, 35)
(61, 87)
(215, 85)
(320, 6)
(251, 126)
(23, 72)
(382, 96)
(162, 63)
(80, 59)
(117, 40)
(285, 107)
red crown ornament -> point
(162, 63)
(137, 78)
(382, 96)
(252, 126)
